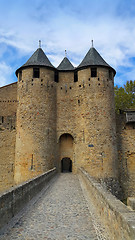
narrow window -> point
(75, 77)
(93, 72)
(36, 73)
(2, 119)
(110, 74)
(32, 162)
(20, 76)
(56, 77)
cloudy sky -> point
(70, 25)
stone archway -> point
(66, 165)
(66, 152)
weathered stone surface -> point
(13, 201)
(116, 217)
(126, 155)
(131, 202)
(58, 117)
(36, 124)
(61, 213)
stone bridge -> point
(65, 206)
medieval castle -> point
(65, 117)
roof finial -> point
(65, 53)
(39, 43)
(92, 43)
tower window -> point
(20, 76)
(36, 73)
(75, 77)
(93, 72)
(110, 74)
(2, 119)
(56, 77)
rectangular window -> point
(2, 119)
(110, 74)
(75, 77)
(56, 77)
(20, 76)
(93, 72)
(36, 73)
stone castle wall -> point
(126, 155)
(64, 119)
(85, 109)
(8, 100)
(36, 120)
(8, 107)
(7, 156)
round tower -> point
(36, 115)
(97, 150)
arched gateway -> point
(66, 150)
(66, 165)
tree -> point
(125, 96)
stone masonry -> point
(54, 114)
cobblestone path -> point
(60, 213)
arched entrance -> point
(66, 165)
(66, 153)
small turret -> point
(65, 65)
(65, 70)
(38, 59)
(93, 59)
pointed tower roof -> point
(65, 65)
(37, 59)
(93, 58)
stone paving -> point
(60, 213)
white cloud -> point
(70, 25)
(5, 73)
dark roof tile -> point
(37, 59)
(65, 65)
(93, 58)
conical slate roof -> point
(37, 59)
(65, 65)
(93, 58)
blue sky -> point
(70, 25)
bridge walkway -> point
(60, 213)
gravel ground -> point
(60, 213)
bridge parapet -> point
(12, 201)
(118, 219)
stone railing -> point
(16, 198)
(118, 219)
